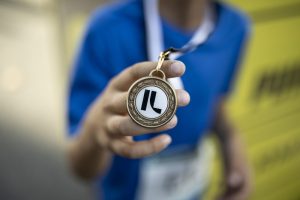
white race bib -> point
(176, 176)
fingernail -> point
(177, 67)
(185, 98)
(235, 179)
(166, 139)
(173, 122)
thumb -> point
(234, 179)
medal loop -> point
(163, 55)
(158, 73)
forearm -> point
(237, 174)
(224, 137)
(230, 145)
(228, 137)
(88, 160)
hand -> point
(108, 123)
(238, 183)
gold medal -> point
(152, 101)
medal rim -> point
(175, 101)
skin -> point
(107, 129)
(184, 14)
(237, 181)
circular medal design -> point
(152, 101)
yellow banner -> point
(266, 102)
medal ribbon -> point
(155, 44)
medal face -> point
(151, 102)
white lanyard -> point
(154, 34)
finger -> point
(237, 187)
(241, 194)
(131, 74)
(125, 126)
(235, 179)
(133, 150)
(183, 97)
(118, 101)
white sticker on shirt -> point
(179, 176)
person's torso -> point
(207, 69)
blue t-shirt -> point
(116, 38)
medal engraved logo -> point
(152, 100)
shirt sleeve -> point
(239, 52)
(91, 74)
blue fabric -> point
(115, 39)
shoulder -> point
(112, 16)
(237, 22)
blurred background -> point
(38, 41)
